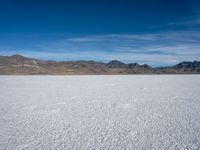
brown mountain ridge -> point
(20, 65)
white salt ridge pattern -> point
(100, 112)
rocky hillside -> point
(183, 67)
(18, 64)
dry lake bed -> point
(100, 112)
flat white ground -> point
(100, 112)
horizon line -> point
(29, 57)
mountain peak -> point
(115, 64)
(17, 56)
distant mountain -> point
(185, 67)
(21, 65)
(116, 64)
(188, 66)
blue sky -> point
(156, 32)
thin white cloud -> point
(160, 48)
(193, 22)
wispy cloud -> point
(186, 23)
(155, 49)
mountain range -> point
(20, 65)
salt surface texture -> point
(100, 112)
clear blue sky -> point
(157, 32)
